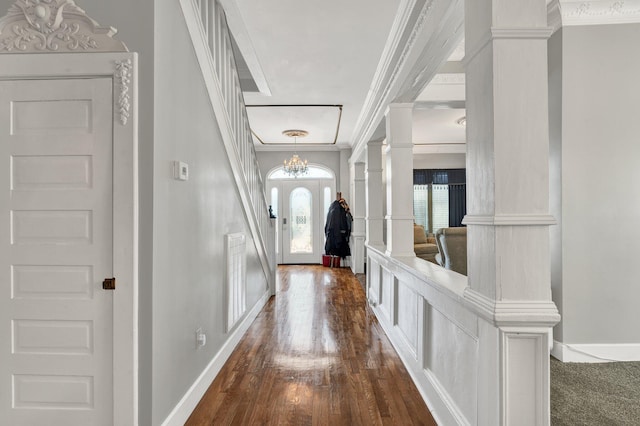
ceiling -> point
(310, 66)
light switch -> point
(180, 170)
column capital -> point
(399, 106)
(513, 313)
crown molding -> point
(554, 17)
(32, 26)
(423, 35)
(592, 12)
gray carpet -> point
(604, 394)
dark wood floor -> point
(315, 355)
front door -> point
(56, 248)
(301, 221)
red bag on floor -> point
(332, 261)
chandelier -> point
(295, 166)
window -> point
(300, 225)
(439, 198)
(314, 172)
(274, 209)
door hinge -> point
(109, 284)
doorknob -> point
(109, 284)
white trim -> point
(188, 402)
(532, 313)
(599, 12)
(595, 353)
(595, 12)
(554, 16)
(422, 36)
(498, 33)
(63, 27)
(125, 253)
(509, 220)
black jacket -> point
(337, 229)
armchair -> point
(452, 247)
(424, 247)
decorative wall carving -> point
(593, 12)
(41, 26)
(122, 76)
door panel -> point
(56, 321)
(300, 219)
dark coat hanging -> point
(337, 229)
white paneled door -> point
(56, 248)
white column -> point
(399, 173)
(358, 207)
(508, 207)
(374, 194)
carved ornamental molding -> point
(122, 76)
(592, 12)
(45, 26)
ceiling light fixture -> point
(295, 166)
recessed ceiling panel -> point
(437, 126)
(269, 121)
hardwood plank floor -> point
(315, 355)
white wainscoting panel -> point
(407, 315)
(386, 287)
(451, 355)
(236, 278)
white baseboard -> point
(596, 352)
(187, 404)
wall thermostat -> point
(180, 170)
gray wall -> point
(600, 159)
(439, 161)
(269, 160)
(554, 52)
(190, 219)
(182, 224)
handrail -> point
(210, 35)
